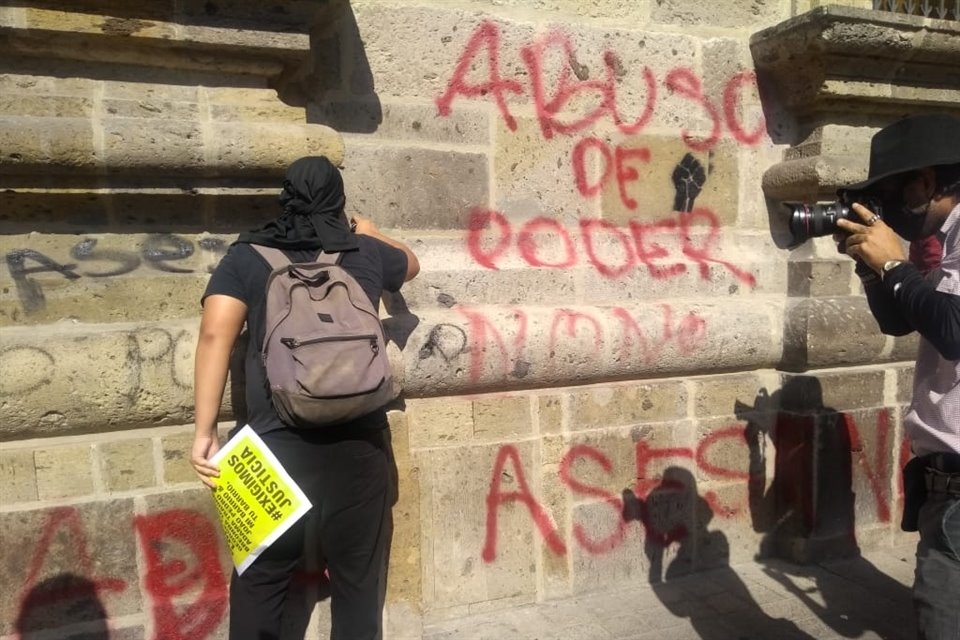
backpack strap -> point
(277, 259)
(274, 257)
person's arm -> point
(220, 325)
(934, 314)
(366, 226)
(884, 308)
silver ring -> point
(872, 220)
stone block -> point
(904, 382)
(405, 570)
(143, 375)
(46, 106)
(724, 450)
(605, 407)
(470, 286)
(250, 104)
(176, 459)
(400, 120)
(536, 177)
(443, 34)
(50, 277)
(64, 472)
(152, 108)
(817, 278)
(181, 529)
(76, 22)
(553, 566)
(627, 562)
(164, 147)
(734, 14)
(874, 456)
(268, 148)
(152, 92)
(832, 391)
(830, 332)
(439, 421)
(550, 413)
(721, 395)
(30, 143)
(676, 178)
(414, 188)
(68, 564)
(499, 418)
(126, 465)
(18, 477)
(456, 518)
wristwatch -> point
(889, 266)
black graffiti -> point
(688, 180)
(86, 250)
(158, 250)
(157, 254)
(446, 340)
(155, 347)
(42, 366)
(30, 293)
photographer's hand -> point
(872, 241)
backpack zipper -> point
(294, 343)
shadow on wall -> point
(806, 516)
(67, 600)
(667, 509)
(338, 91)
(808, 511)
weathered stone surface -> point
(64, 472)
(830, 331)
(409, 187)
(78, 547)
(835, 390)
(127, 465)
(454, 571)
(819, 278)
(68, 378)
(18, 477)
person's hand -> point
(871, 240)
(363, 225)
(204, 448)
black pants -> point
(348, 481)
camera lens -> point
(814, 220)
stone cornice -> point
(836, 59)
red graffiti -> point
(549, 101)
(181, 560)
(650, 482)
(486, 36)
(180, 549)
(65, 519)
(497, 497)
(616, 163)
(490, 236)
(626, 336)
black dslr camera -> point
(816, 220)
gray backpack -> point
(324, 348)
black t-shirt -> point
(242, 274)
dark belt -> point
(942, 473)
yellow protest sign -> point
(256, 499)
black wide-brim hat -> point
(913, 143)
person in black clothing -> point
(915, 174)
(344, 470)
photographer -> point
(915, 175)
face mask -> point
(907, 221)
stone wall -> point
(615, 366)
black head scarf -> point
(312, 218)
